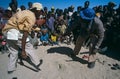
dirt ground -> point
(57, 64)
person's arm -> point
(100, 34)
(25, 35)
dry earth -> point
(57, 64)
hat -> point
(87, 14)
(112, 4)
(37, 5)
(18, 9)
(9, 8)
(52, 7)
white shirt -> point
(14, 34)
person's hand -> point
(24, 56)
(95, 50)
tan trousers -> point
(13, 47)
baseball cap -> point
(87, 14)
(37, 5)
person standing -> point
(17, 30)
(30, 5)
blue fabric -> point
(44, 37)
(87, 14)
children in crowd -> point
(54, 39)
(33, 40)
(61, 30)
(44, 38)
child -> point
(61, 29)
(53, 39)
(44, 38)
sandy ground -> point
(57, 64)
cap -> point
(37, 5)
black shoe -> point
(91, 64)
(10, 72)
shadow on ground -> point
(31, 63)
(66, 51)
(112, 53)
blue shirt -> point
(44, 37)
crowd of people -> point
(22, 28)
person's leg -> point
(92, 54)
(92, 58)
(33, 56)
(13, 55)
(78, 45)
